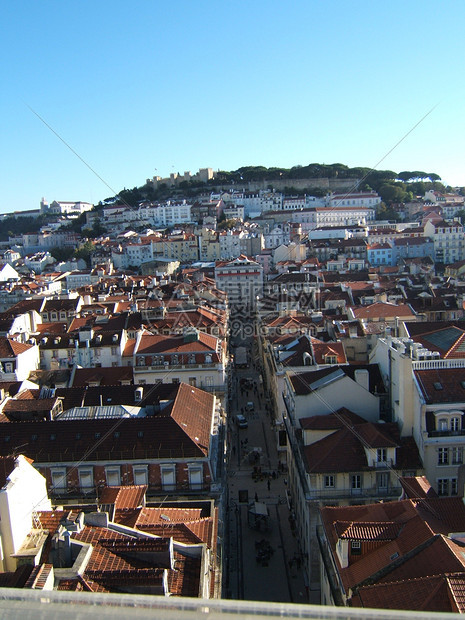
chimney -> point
(362, 377)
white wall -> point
(24, 492)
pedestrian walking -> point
(268, 485)
(256, 497)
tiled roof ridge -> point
(456, 344)
(118, 573)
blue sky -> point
(145, 88)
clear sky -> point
(154, 87)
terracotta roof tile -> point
(431, 594)
(441, 385)
(9, 348)
(363, 530)
(123, 497)
(331, 421)
(380, 309)
(417, 487)
(456, 584)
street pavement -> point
(278, 575)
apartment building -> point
(241, 279)
(427, 398)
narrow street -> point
(261, 550)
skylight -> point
(438, 386)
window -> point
(329, 482)
(453, 486)
(195, 477)
(192, 381)
(356, 483)
(442, 424)
(381, 455)
(443, 456)
(86, 480)
(355, 547)
(113, 476)
(382, 480)
(140, 474)
(168, 477)
(457, 456)
(59, 479)
(443, 486)
(455, 424)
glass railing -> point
(55, 605)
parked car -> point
(249, 406)
(241, 421)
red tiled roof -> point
(345, 449)
(123, 497)
(50, 520)
(103, 376)
(378, 435)
(433, 594)
(182, 436)
(176, 344)
(441, 385)
(192, 410)
(9, 348)
(119, 562)
(407, 548)
(363, 530)
(443, 514)
(380, 309)
(332, 421)
(417, 486)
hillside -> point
(313, 179)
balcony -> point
(446, 433)
(371, 493)
(387, 464)
(162, 367)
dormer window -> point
(381, 455)
(355, 547)
(442, 424)
(448, 421)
